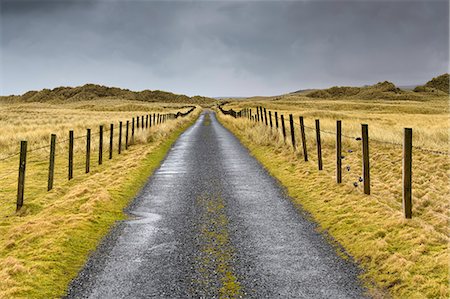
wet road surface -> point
(210, 223)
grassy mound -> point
(92, 92)
(436, 85)
(380, 90)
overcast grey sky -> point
(220, 48)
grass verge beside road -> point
(402, 258)
(44, 248)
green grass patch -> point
(43, 249)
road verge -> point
(42, 252)
(401, 258)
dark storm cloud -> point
(221, 48)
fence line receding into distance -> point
(364, 179)
(142, 122)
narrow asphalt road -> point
(210, 223)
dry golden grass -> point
(407, 258)
(35, 122)
(44, 245)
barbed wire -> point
(357, 138)
(105, 129)
(436, 152)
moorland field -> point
(403, 258)
(43, 246)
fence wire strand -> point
(106, 128)
(358, 138)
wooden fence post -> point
(132, 130)
(137, 122)
(120, 138)
(302, 131)
(319, 145)
(21, 180)
(291, 123)
(150, 120)
(407, 173)
(111, 137)
(142, 122)
(126, 135)
(257, 114)
(250, 114)
(283, 127)
(51, 164)
(100, 146)
(70, 154)
(338, 152)
(276, 119)
(146, 121)
(262, 115)
(365, 154)
(270, 118)
(265, 116)
(154, 118)
(88, 149)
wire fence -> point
(352, 162)
(55, 164)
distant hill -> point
(379, 90)
(93, 92)
(438, 86)
(435, 85)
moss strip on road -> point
(214, 264)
